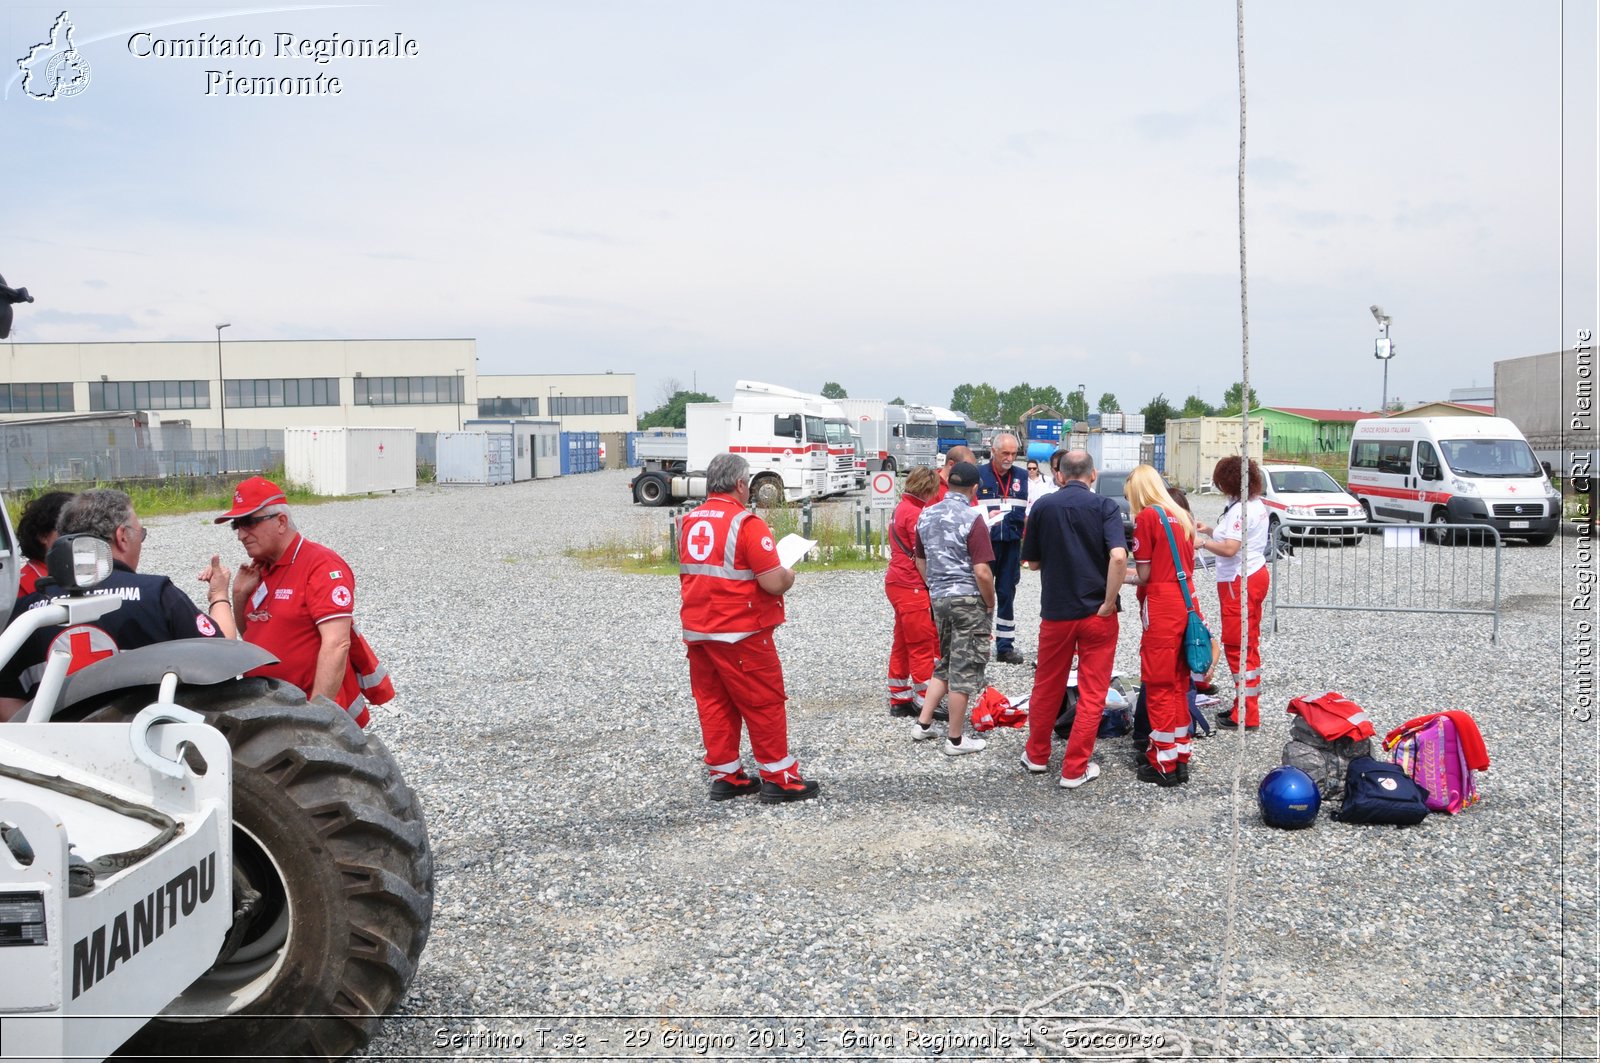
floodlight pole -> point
(222, 399)
(1384, 353)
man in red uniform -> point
(732, 585)
(296, 599)
(955, 456)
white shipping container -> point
(482, 456)
(522, 440)
(1195, 445)
(1114, 451)
(351, 461)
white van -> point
(1452, 470)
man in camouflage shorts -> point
(953, 554)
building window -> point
(504, 407)
(36, 398)
(282, 391)
(149, 395)
(409, 390)
(588, 405)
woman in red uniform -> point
(1243, 525)
(1164, 614)
(916, 641)
(36, 530)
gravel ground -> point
(588, 889)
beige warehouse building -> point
(431, 385)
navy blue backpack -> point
(1376, 791)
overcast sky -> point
(898, 196)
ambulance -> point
(1452, 470)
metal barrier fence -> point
(31, 455)
(1451, 569)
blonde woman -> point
(915, 645)
(1164, 615)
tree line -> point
(989, 405)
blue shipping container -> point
(580, 452)
(633, 450)
(1159, 454)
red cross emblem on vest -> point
(700, 540)
(86, 644)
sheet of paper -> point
(791, 548)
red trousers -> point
(1228, 595)
(916, 642)
(1093, 639)
(741, 683)
(1166, 677)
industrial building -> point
(431, 385)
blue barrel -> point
(1040, 450)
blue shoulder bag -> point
(1196, 638)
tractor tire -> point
(331, 837)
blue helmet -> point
(1289, 798)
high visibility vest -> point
(722, 602)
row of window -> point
(289, 391)
(149, 394)
(508, 407)
(577, 405)
(409, 390)
(36, 398)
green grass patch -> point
(841, 543)
(171, 496)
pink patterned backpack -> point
(1431, 750)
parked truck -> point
(784, 437)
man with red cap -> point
(296, 599)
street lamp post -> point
(1383, 351)
(222, 399)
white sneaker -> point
(969, 744)
(1090, 774)
(1032, 768)
(920, 733)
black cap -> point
(963, 474)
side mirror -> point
(1429, 472)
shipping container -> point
(523, 432)
(1195, 445)
(481, 456)
(1114, 451)
(351, 461)
(580, 452)
(613, 450)
(1158, 452)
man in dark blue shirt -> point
(1074, 540)
(153, 608)
(1003, 497)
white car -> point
(1310, 504)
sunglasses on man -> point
(239, 523)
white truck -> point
(782, 434)
(894, 437)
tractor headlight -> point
(78, 562)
